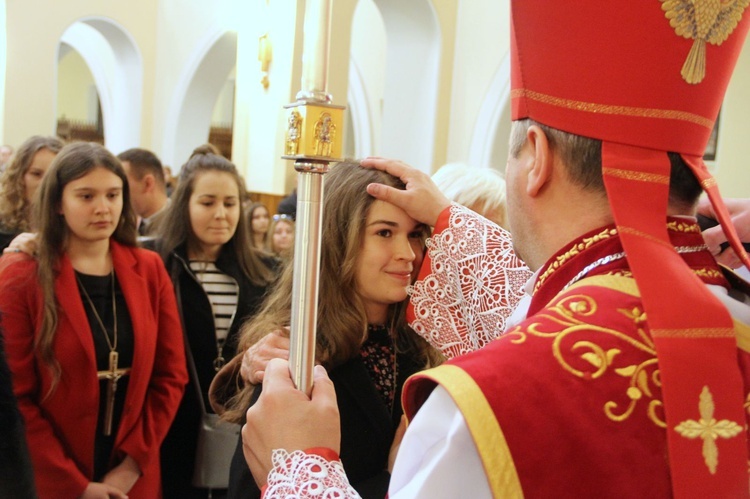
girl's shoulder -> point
(17, 263)
(17, 269)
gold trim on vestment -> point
(590, 107)
(743, 336)
(697, 332)
(685, 227)
(575, 250)
(639, 176)
(622, 284)
(484, 428)
(624, 229)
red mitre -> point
(647, 77)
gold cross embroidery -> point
(708, 429)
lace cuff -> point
(471, 281)
(314, 473)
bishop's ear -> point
(540, 171)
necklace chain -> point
(617, 256)
(111, 343)
(199, 273)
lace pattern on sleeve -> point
(301, 476)
(474, 284)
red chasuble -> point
(569, 402)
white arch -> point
(188, 121)
(361, 116)
(410, 97)
(117, 67)
(489, 142)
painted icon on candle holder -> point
(293, 133)
(312, 131)
(325, 134)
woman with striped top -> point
(220, 280)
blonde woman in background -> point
(281, 236)
(19, 182)
(482, 190)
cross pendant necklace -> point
(113, 374)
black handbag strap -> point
(175, 276)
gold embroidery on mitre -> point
(568, 319)
(702, 21)
(591, 107)
(708, 183)
(708, 429)
(747, 403)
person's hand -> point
(739, 210)
(24, 242)
(124, 475)
(285, 418)
(272, 346)
(422, 200)
(96, 490)
(397, 439)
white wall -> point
(74, 85)
(483, 27)
(34, 30)
(732, 165)
(368, 61)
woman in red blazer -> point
(89, 305)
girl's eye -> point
(384, 233)
(417, 234)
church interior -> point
(425, 81)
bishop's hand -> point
(422, 200)
(285, 418)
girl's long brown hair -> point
(342, 321)
(72, 162)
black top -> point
(16, 471)
(99, 289)
(178, 449)
(6, 237)
(368, 426)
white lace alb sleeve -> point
(474, 283)
(306, 476)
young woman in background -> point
(258, 218)
(281, 236)
(92, 334)
(370, 252)
(220, 280)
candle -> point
(315, 48)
